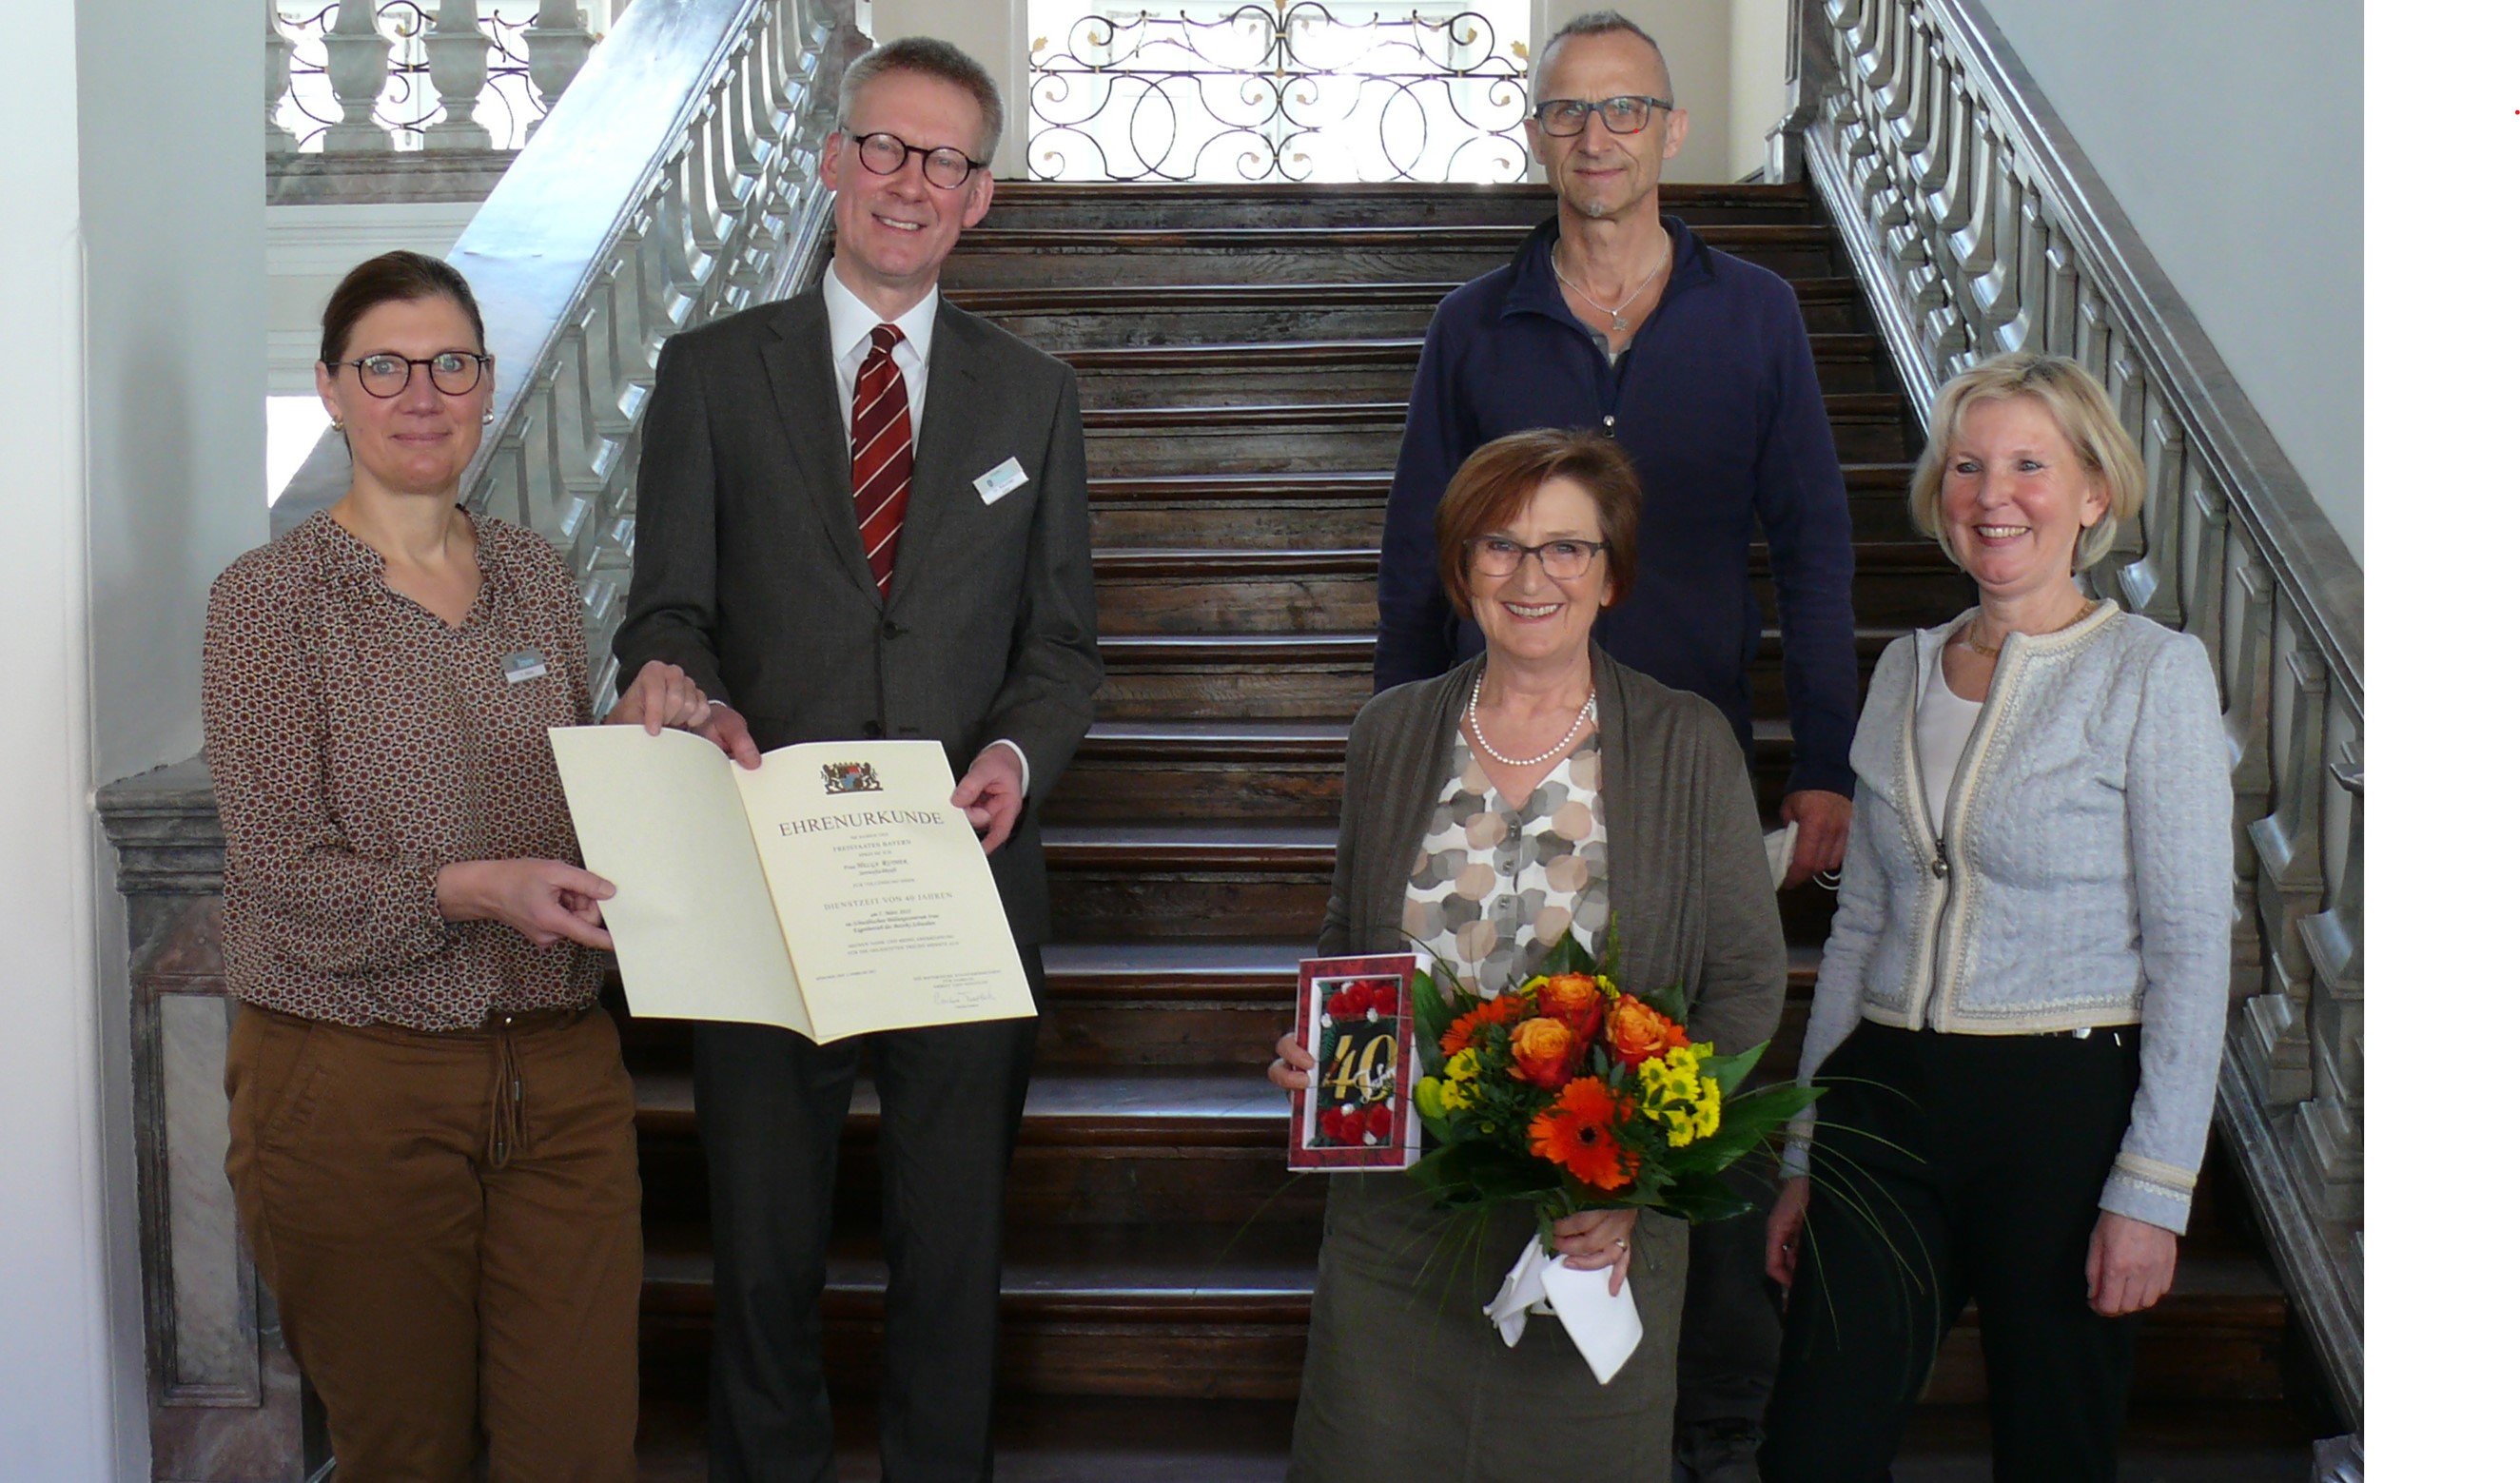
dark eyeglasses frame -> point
(1584, 111)
(1473, 547)
(927, 158)
(428, 367)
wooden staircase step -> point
(1336, 370)
(1283, 771)
(1155, 1145)
(1081, 316)
(1319, 676)
(1905, 582)
(1032, 205)
(1002, 257)
(1216, 1309)
(1337, 508)
(1126, 443)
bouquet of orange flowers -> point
(1574, 1093)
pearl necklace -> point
(1619, 315)
(1478, 686)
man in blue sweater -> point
(1616, 317)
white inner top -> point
(1944, 722)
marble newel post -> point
(225, 1403)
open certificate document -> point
(835, 891)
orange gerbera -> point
(1504, 1010)
(1578, 1132)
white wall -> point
(991, 30)
(2231, 133)
(131, 444)
(1759, 56)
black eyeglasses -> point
(1627, 114)
(384, 373)
(1500, 556)
(945, 166)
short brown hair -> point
(393, 278)
(941, 60)
(2075, 399)
(1494, 484)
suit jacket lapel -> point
(798, 360)
(952, 419)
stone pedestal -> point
(226, 1404)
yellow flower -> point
(1460, 1089)
(1674, 1093)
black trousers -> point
(771, 1107)
(1946, 1168)
(1729, 1329)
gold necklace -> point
(1969, 635)
(1619, 315)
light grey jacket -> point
(2084, 877)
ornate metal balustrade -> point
(1286, 91)
(1978, 226)
(357, 77)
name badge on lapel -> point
(522, 665)
(1001, 481)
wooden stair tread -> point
(1158, 298)
(1840, 404)
(982, 241)
(1257, 1273)
(1261, 648)
(1389, 350)
(1212, 563)
(1259, 970)
(1170, 1106)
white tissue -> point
(1605, 1330)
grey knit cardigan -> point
(2084, 877)
(1688, 870)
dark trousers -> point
(450, 1225)
(1946, 1168)
(771, 1107)
(1730, 1330)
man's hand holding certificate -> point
(836, 890)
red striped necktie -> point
(880, 454)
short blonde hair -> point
(2079, 405)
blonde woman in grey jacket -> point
(2020, 1009)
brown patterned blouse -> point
(357, 744)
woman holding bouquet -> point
(1527, 795)
(2020, 1009)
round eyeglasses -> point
(945, 166)
(1500, 556)
(1624, 115)
(384, 373)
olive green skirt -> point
(1407, 1381)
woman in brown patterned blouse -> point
(430, 1123)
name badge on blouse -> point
(522, 665)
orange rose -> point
(1545, 1051)
(1574, 999)
(1639, 1035)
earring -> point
(337, 424)
(485, 419)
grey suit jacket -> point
(1688, 870)
(749, 573)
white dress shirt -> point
(852, 338)
(853, 335)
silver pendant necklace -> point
(1619, 315)
(1478, 687)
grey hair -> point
(1598, 23)
(940, 60)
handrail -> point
(674, 182)
(1977, 225)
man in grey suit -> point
(862, 514)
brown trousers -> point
(450, 1224)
